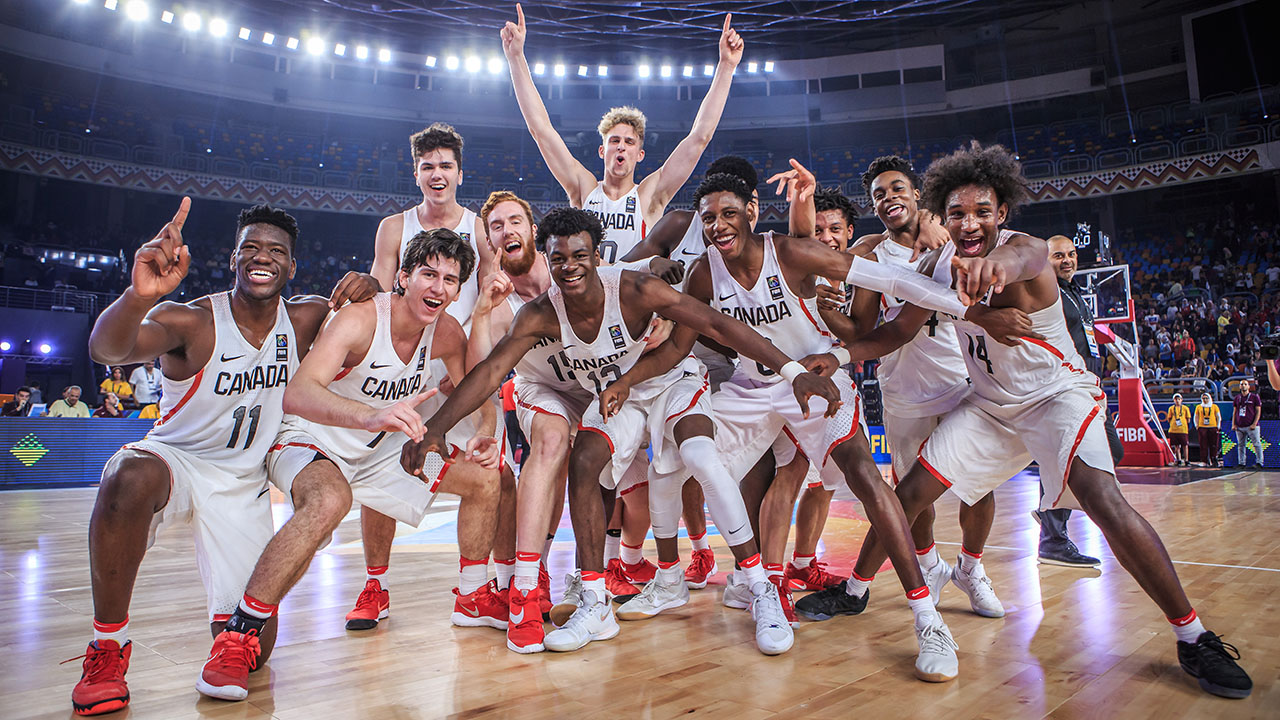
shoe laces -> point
(102, 664)
(936, 639)
(701, 562)
(572, 586)
(233, 648)
(1215, 652)
(369, 595)
(767, 607)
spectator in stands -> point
(116, 383)
(1246, 413)
(1179, 430)
(110, 407)
(1208, 421)
(146, 383)
(20, 405)
(70, 405)
(150, 412)
(36, 396)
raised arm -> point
(386, 251)
(494, 290)
(450, 345)
(662, 185)
(132, 329)
(799, 184)
(576, 179)
(663, 238)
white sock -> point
(472, 576)
(526, 577)
(930, 558)
(612, 546)
(670, 575)
(802, 561)
(1188, 628)
(753, 571)
(112, 631)
(376, 573)
(922, 607)
(857, 586)
(596, 586)
(700, 542)
(505, 569)
(970, 563)
(631, 555)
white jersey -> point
(467, 293)
(623, 221)
(927, 375)
(228, 414)
(1033, 370)
(379, 380)
(546, 363)
(598, 363)
(690, 248)
(770, 308)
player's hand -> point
(975, 276)
(414, 453)
(824, 364)
(659, 330)
(931, 235)
(797, 182)
(1008, 326)
(670, 271)
(495, 288)
(353, 287)
(513, 34)
(613, 397)
(731, 44)
(400, 417)
(807, 385)
(830, 298)
(485, 452)
(160, 265)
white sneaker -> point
(935, 578)
(593, 621)
(736, 593)
(937, 660)
(977, 586)
(654, 598)
(572, 599)
(774, 635)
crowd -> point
(118, 397)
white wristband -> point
(841, 354)
(791, 370)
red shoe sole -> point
(102, 707)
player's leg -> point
(633, 496)
(377, 533)
(702, 560)
(667, 589)
(805, 571)
(480, 494)
(969, 575)
(775, 518)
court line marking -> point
(1176, 562)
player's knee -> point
(474, 483)
(551, 444)
(321, 494)
(586, 463)
(134, 484)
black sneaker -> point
(826, 604)
(1066, 555)
(1213, 662)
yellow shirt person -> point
(1208, 416)
(1179, 418)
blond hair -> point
(498, 197)
(625, 115)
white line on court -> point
(1176, 562)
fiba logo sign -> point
(1132, 434)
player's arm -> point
(799, 184)
(663, 238)
(450, 345)
(662, 185)
(576, 179)
(653, 363)
(1017, 260)
(1273, 376)
(494, 289)
(386, 251)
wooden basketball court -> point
(1073, 643)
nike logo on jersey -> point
(686, 252)
(517, 618)
(265, 490)
(726, 297)
(376, 366)
(229, 359)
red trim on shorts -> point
(1184, 620)
(1066, 470)
(342, 374)
(309, 446)
(932, 470)
(432, 487)
(799, 450)
(857, 425)
(637, 486)
(535, 408)
(599, 432)
(692, 402)
(809, 315)
(187, 396)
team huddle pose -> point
(662, 362)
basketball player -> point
(670, 411)
(226, 359)
(437, 170)
(352, 403)
(754, 277)
(1034, 401)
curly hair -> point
(735, 165)
(825, 199)
(436, 136)
(266, 215)
(722, 182)
(625, 115)
(567, 221)
(991, 166)
(889, 163)
(441, 243)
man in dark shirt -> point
(1244, 420)
(20, 405)
(1055, 547)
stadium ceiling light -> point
(268, 38)
(166, 17)
(218, 27)
(191, 22)
(291, 43)
(384, 55)
(688, 71)
(362, 52)
(137, 10)
(109, 4)
(539, 69)
(665, 71)
(5, 345)
(315, 45)
(340, 50)
(82, 2)
(643, 71)
(45, 348)
(495, 66)
(752, 67)
(431, 61)
(768, 66)
(708, 70)
(602, 70)
(473, 64)
(245, 33)
(451, 62)
(582, 71)
(558, 70)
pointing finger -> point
(728, 17)
(520, 16)
(180, 217)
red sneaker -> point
(524, 626)
(701, 566)
(102, 688)
(374, 604)
(226, 673)
(784, 595)
(640, 573)
(544, 590)
(813, 577)
(485, 607)
(616, 582)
